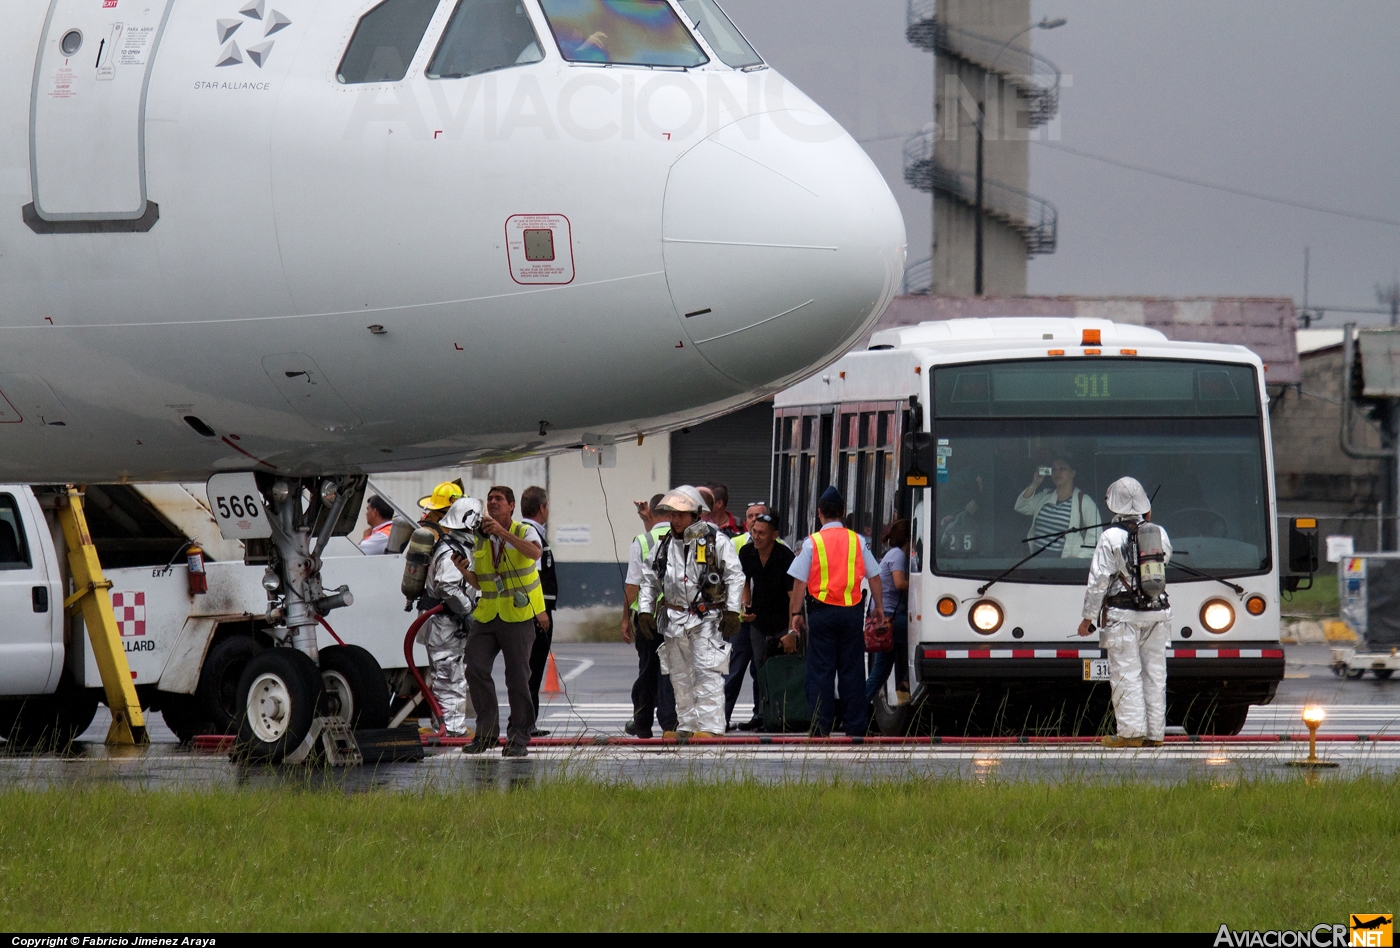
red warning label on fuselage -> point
(540, 249)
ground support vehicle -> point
(186, 652)
(951, 424)
(1369, 589)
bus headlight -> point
(1217, 615)
(986, 617)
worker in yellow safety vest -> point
(504, 566)
(652, 698)
(827, 575)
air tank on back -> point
(1152, 560)
(415, 564)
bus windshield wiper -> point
(1239, 590)
(1044, 536)
(983, 590)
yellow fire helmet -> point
(443, 496)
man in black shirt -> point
(765, 561)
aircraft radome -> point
(328, 236)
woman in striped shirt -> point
(1064, 510)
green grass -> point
(1320, 602)
(917, 855)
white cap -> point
(1127, 498)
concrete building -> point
(1314, 476)
(984, 74)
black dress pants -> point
(652, 698)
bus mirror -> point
(1302, 546)
(919, 459)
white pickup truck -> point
(186, 651)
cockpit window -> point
(485, 35)
(385, 41)
(722, 35)
(622, 32)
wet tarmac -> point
(597, 679)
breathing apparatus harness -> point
(1144, 574)
(712, 593)
(460, 543)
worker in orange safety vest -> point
(828, 575)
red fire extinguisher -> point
(199, 580)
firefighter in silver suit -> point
(445, 634)
(691, 592)
(1127, 597)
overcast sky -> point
(1295, 100)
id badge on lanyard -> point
(518, 598)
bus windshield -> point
(1005, 486)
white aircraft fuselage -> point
(213, 265)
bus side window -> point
(916, 548)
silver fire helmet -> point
(1127, 498)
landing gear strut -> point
(300, 511)
(284, 703)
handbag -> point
(879, 636)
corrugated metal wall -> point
(735, 450)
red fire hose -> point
(327, 626)
(413, 667)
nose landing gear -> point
(293, 695)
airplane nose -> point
(782, 244)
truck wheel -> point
(892, 721)
(356, 689)
(48, 722)
(1384, 673)
(1211, 718)
(185, 715)
(1355, 673)
(217, 690)
(278, 695)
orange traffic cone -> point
(552, 684)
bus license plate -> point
(1096, 669)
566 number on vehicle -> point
(239, 507)
(236, 503)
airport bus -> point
(968, 428)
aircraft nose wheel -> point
(277, 698)
(269, 695)
(356, 690)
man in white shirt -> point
(380, 517)
(652, 698)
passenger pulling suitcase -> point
(782, 681)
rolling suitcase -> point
(783, 684)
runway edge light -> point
(1312, 717)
